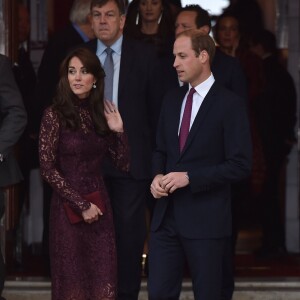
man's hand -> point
(156, 189)
(173, 181)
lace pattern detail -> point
(50, 135)
(82, 255)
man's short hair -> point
(200, 42)
(202, 15)
(120, 4)
(79, 12)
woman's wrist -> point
(118, 131)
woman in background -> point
(151, 21)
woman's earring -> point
(137, 19)
(159, 19)
(94, 85)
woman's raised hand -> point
(113, 117)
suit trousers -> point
(228, 270)
(128, 199)
(169, 251)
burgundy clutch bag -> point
(94, 198)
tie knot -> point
(108, 51)
(191, 92)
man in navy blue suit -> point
(228, 72)
(192, 178)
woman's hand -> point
(113, 117)
(91, 214)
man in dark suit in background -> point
(28, 144)
(132, 93)
(25, 77)
(277, 117)
(13, 120)
(228, 72)
(203, 145)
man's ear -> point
(122, 21)
(203, 56)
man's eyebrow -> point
(105, 12)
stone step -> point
(246, 289)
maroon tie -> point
(186, 119)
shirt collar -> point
(116, 46)
(203, 88)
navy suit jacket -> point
(136, 103)
(13, 120)
(217, 153)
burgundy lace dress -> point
(83, 256)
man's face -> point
(187, 65)
(107, 22)
(185, 20)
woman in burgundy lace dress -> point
(78, 132)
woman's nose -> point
(78, 76)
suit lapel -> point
(175, 114)
(207, 103)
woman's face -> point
(81, 82)
(150, 10)
(228, 32)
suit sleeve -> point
(48, 147)
(13, 117)
(160, 154)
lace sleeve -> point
(48, 145)
(119, 151)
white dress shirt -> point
(198, 97)
(116, 55)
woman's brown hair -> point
(65, 100)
